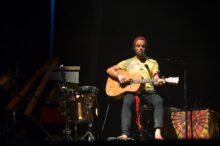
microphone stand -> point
(185, 99)
(186, 105)
(184, 64)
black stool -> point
(146, 121)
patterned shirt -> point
(147, 69)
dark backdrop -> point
(98, 34)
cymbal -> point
(65, 68)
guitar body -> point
(116, 91)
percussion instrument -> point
(83, 102)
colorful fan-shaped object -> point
(201, 124)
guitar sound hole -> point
(123, 85)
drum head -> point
(88, 89)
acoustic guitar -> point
(136, 84)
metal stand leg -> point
(88, 135)
(67, 131)
(75, 134)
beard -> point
(140, 53)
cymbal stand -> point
(76, 128)
(67, 131)
(63, 88)
(75, 132)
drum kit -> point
(78, 107)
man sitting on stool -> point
(149, 69)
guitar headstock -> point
(174, 80)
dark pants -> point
(146, 97)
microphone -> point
(60, 67)
(143, 54)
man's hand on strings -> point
(122, 79)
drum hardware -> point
(67, 131)
(77, 121)
(90, 92)
(85, 95)
(77, 109)
(88, 135)
(64, 96)
(78, 106)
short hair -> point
(140, 38)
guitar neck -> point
(145, 81)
